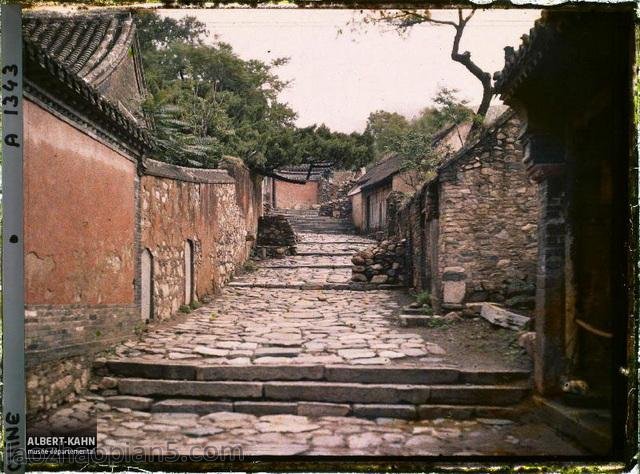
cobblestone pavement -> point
(287, 325)
(122, 429)
(263, 326)
(248, 326)
(330, 248)
(296, 276)
(308, 260)
(310, 237)
(292, 434)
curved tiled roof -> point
(382, 170)
(305, 171)
(90, 46)
(519, 63)
(69, 56)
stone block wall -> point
(472, 231)
(276, 237)
(488, 214)
(203, 209)
(381, 264)
(333, 198)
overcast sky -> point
(339, 79)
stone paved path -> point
(123, 429)
(268, 326)
(254, 325)
(251, 325)
(298, 435)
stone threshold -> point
(587, 426)
(320, 286)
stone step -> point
(320, 229)
(418, 320)
(334, 242)
(589, 427)
(363, 410)
(175, 370)
(353, 286)
(323, 231)
(319, 222)
(325, 254)
(291, 266)
(332, 392)
(410, 310)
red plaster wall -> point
(79, 216)
(296, 196)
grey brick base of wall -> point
(61, 342)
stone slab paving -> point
(329, 435)
(331, 248)
(126, 429)
(257, 327)
(266, 326)
(315, 237)
(296, 276)
(308, 261)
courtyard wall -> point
(295, 196)
(79, 227)
(91, 209)
(208, 210)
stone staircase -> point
(308, 221)
(184, 370)
(315, 390)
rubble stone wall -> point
(205, 210)
(334, 201)
(380, 264)
(276, 237)
(472, 231)
(488, 214)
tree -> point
(416, 140)
(155, 32)
(404, 19)
(384, 127)
(207, 102)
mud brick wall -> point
(488, 214)
(79, 225)
(295, 196)
(210, 209)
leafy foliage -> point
(415, 140)
(207, 102)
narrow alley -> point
(292, 358)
